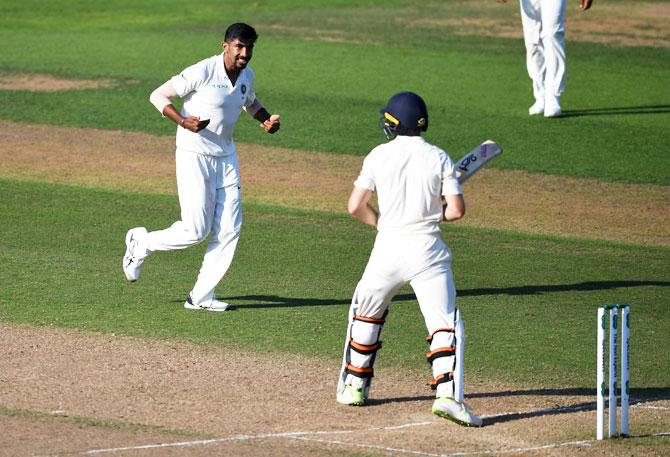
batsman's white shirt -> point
(410, 175)
(208, 92)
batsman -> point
(417, 187)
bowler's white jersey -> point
(208, 92)
(410, 176)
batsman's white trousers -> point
(423, 261)
(210, 200)
(544, 35)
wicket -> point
(613, 311)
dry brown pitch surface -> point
(69, 393)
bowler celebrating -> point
(215, 91)
(416, 188)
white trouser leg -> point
(436, 294)
(196, 186)
(553, 39)
(223, 241)
(531, 21)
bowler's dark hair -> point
(241, 31)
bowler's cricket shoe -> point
(552, 106)
(537, 108)
(352, 396)
(455, 411)
(213, 305)
(136, 252)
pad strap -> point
(444, 377)
(370, 320)
(364, 348)
(429, 338)
(359, 372)
(440, 352)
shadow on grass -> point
(580, 286)
(651, 109)
(274, 301)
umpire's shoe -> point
(136, 252)
(455, 411)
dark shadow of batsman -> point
(274, 301)
(637, 396)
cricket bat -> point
(470, 163)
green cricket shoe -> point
(455, 411)
(351, 396)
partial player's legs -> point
(367, 315)
(196, 186)
(544, 37)
(437, 299)
(209, 196)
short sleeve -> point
(450, 184)
(250, 97)
(365, 179)
(190, 79)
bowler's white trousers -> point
(423, 261)
(210, 200)
(544, 35)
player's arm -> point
(359, 206)
(161, 99)
(453, 207)
(584, 4)
(453, 204)
(268, 122)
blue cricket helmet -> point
(404, 112)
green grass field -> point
(529, 301)
(329, 92)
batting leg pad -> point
(460, 352)
(363, 342)
(442, 357)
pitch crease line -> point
(663, 408)
(451, 454)
(242, 438)
(304, 436)
(192, 443)
(464, 453)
